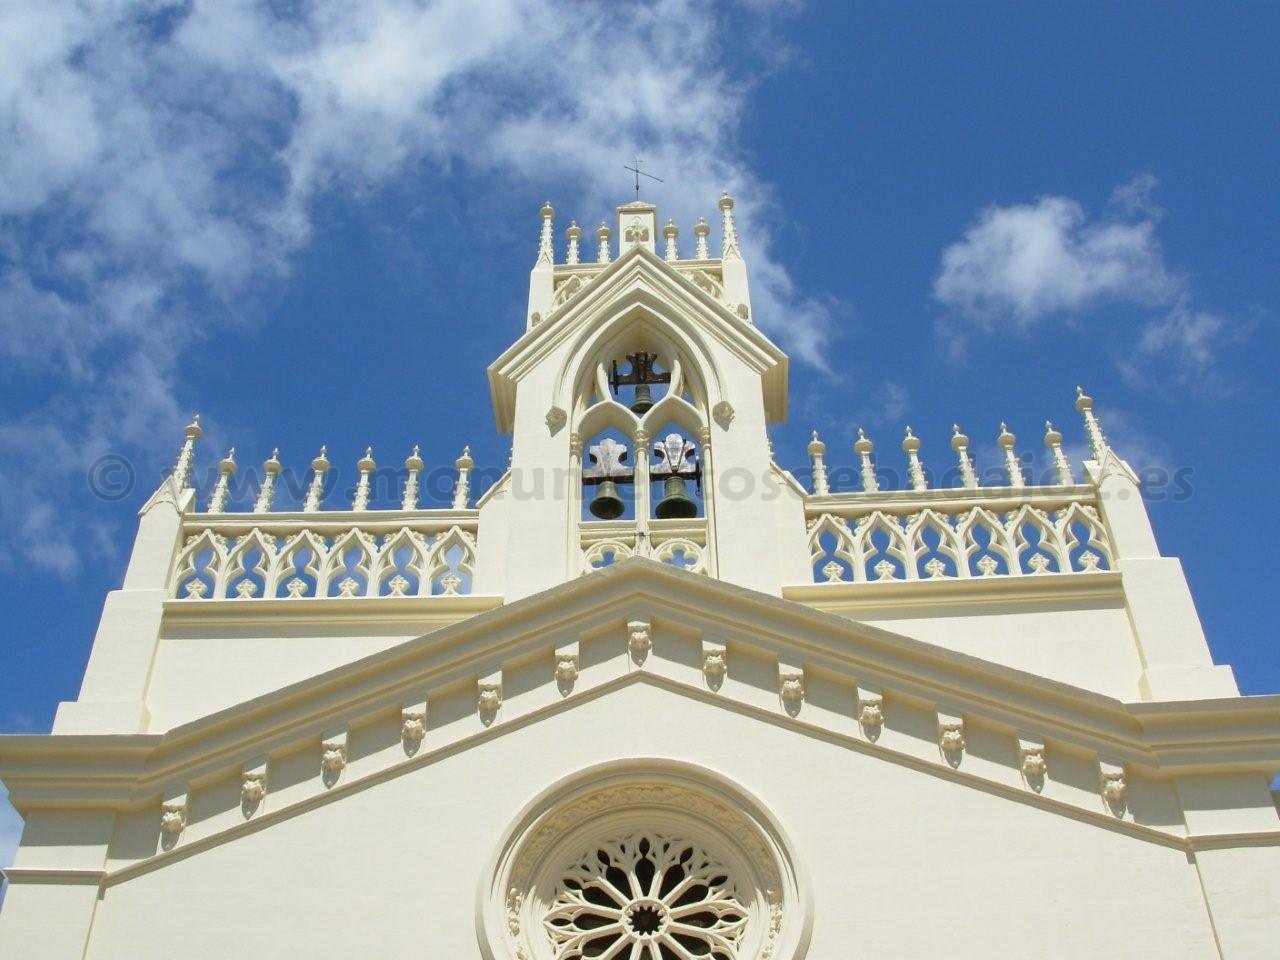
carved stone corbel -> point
(489, 696)
(568, 665)
(870, 711)
(333, 756)
(791, 686)
(253, 786)
(951, 737)
(715, 663)
(1032, 763)
(639, 639)
(1114, 786)
(413, 726)
(173, 818)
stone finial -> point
(701, 231)
(915, 469)
(960, 444)
(1092, 428)
(1061, 465)
(187, 455)
(315, 490)
(817, 453)
(366, 465)
(546, 250)
(574, 236)
(222, 489)
(413, 467)
(462, 488)
(267, 492)
(728, 230)
(1011, 465)
(671, 234)
(864, 448)
(603, 233)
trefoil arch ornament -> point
(648, 859)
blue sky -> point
(313, 222)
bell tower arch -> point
(638, 400)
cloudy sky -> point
(312, 221)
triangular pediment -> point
(649, 622)
(639, 280)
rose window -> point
(646, 896)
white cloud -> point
(1181, 346)
(1017, 265)
(1020, 267)
(161, 159)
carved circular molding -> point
(654, 860)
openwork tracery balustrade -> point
(419, 557)
(681, 543)
(993, 536)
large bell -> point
(606, 504)
(643, 399)
(674, 505)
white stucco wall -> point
(903, 863)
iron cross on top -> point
(635, 168)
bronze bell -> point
(643, 399)
(674, 505)
(606, 504)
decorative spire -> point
(700, 232)
(462, 489)
(226, 468)
(602, 235)
(413, 467)
(960, 444)
(863, 448)
(1061, 465)
(366, 466)
(315, 490)
(546, 249)
(1011, 465)
(915, 469)
(574, 233)
(267, 492)
(817, 453)
(728, 231)
(1097, 442)
(187, 455)
(671, 234)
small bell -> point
(674, 505)
(643, 399)
(606, 504)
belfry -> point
(648, 696)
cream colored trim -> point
(903, 594)
(439, 609)
(1238, 734)
(18, 875)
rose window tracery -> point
(646, 896)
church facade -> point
(650, 697)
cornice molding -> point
(847, 596)
(1238, 734)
